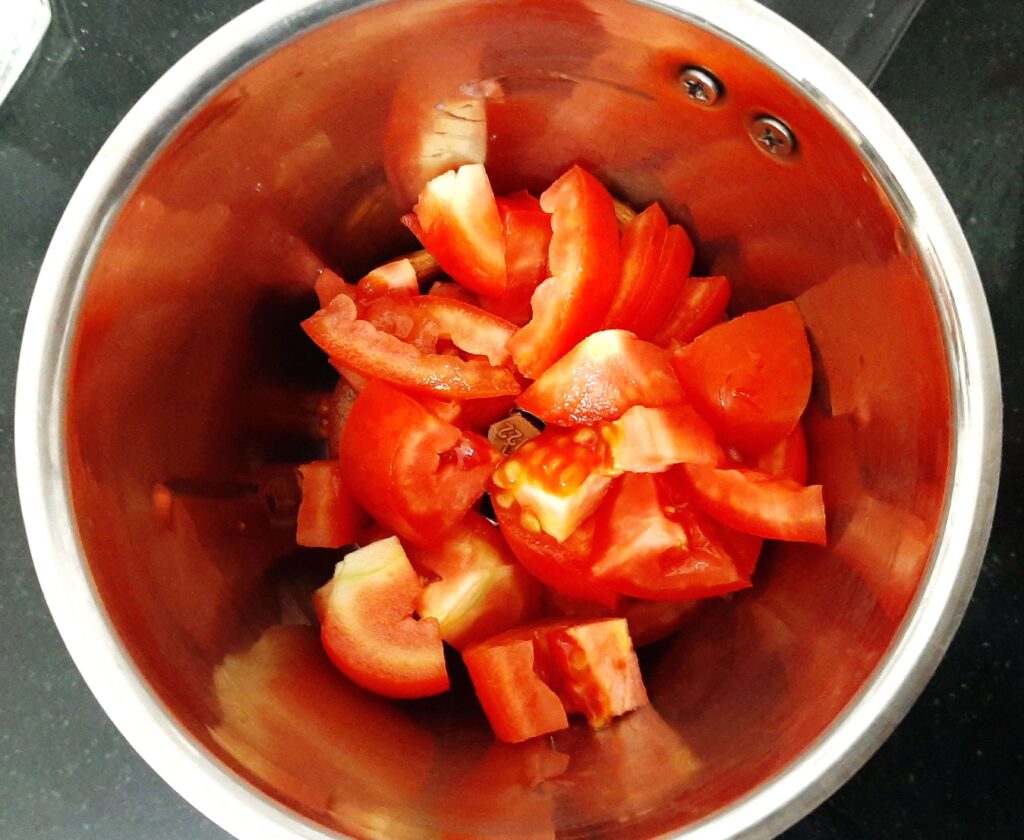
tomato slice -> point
(653, 439)
(475, 588)
(527, 236)
(530, 678)
(456, 219)
(556, 481)
(699, 306)
(445, 288)
(758, 503)
(410, 470)
(750, 377)
(328, 515)
(668, 283)
(583, 260)
(647, 549)
(358, 345)
(649, 621)
(642, 240)
(787, 459)
(468, 327)
(605, 374)
(396, 277)
(329, 285)
(368, 629)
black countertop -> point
(955, 766)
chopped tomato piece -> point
(410, 470)
(605, 374)
(583, 261)
(393, 278)
(668, 285)
(360, 346)
(445, 288)
(758, 503)
(750, 377)
(368, 628)
(456, 219)
(787, 459)
(642, 240)
(556, 480)
(475, 588)
(528, 680)
(328, 515)
(654, 439)
(527, 236)
(649, 621)
(647, 549)
(329, 285)
(700, 305)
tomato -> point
(527, 236)
(750, 377)
(586, 667)
(328, 515)
(329, 285)
(583, 261)
(396, 277)
(642, 240)
(649, 621)
(668, 284)
(758, 503)
(556, 481)
(360, 346)
(427, 318)
(654, 439)
(787, 459)
(605, 374)
(475, 588)
(445, 288)
(699, 305)
(456, 219)
(368, 628)
(647, 549)
(410, 470)
(332, 414)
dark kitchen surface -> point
(955, 766)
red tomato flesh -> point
(397, 277)
(456, 219)
(328, 515)
(605, 374)
(410, 470)
(527, 236)
(642, 239)
(583, 261)
(653, 439)
(329, 285)
(750, 377)
(787, 459)
(668, 285)
(368, 628)
(699, 305)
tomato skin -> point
(328, 515)
(360, 346)
(477, 589)
(699, 305)
(410, 470)
(757, 503)
(642, 239)
(527, 236)
(456, 219)
(667, 285)
(750, 377)
(599, 379)
(394, 278)
(787, 459)
(368, 629)
(654, 439)
(583, 261)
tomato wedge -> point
(456, 219)
(668, 284)
(328, 515)
(699, 306)
(605, 374)
(396, 277)
(654, 439)
(410, 470)
(758, 503)
(368, 629)
(475, 587)
(529, 679)
(583, 261)
(468, 327)
(787, 459)
(329, 285)
(750, 377)
(360, 346)
(527, 236)
(642, 239)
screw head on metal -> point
(700, 86)
(773, 136)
